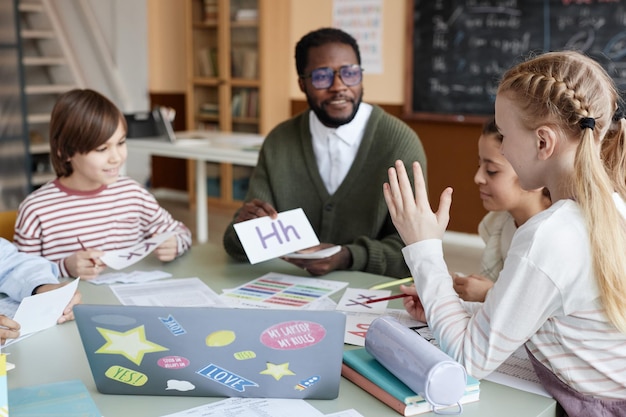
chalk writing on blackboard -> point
(461, 48)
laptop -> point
(207, 351)
(153, 124)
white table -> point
(56, 354)
(226, 147)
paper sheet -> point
(189, 292)
(41, 311)
(358, 323)
(252, 407)
(518, 372)
(134, 277)
(120, 259)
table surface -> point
(228, 147)
(56, 354)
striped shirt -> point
(545, 297)
(52, 219)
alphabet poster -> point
(266, 238)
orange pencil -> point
(391, 297)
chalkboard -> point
(461, 48)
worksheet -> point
(275, 290)
(190, 292)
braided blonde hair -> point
(559, 89)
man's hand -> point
(255, 209)
(316, 267)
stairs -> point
(49, 69)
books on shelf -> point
(245, 103)
(246, 15)
(244, 62)
(207, 62)
(210, 11)
(209, 109)
(366, 372)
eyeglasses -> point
(325, 77)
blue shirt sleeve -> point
(21, 273)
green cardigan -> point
(356, 216)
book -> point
(67, 398)
(365, 371)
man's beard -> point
(334, 122)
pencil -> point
(391, 297)
(84, 248)
(392, 283)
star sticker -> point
(277, 371)
(132, 344)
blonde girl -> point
(561, 291)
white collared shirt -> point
(336, 148)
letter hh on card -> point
(265, 238)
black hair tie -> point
(587, 123)
(619, 114)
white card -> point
(264, 238)
(40, 311)
(320, 254)
(120, 259)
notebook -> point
(208, 351)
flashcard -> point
(355, 299)
(265, 238)
(120, 259)
(356, 328)
(41, 311)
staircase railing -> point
(110, 69)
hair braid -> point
(559, 89)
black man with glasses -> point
(332, 161)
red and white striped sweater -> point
(53, 218)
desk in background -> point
(56, 354)
(222, 147)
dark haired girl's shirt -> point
(52, 219)
(355, 215)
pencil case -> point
(424, 368)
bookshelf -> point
(238, 61)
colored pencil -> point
(84, 248)
(408, 280)
(391, 297)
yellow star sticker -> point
(277, 371)
(132, 344)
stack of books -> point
(364, 370)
